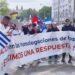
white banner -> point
(27, 48)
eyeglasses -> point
(67, 21)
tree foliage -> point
(45, 12)
(25, 14)
(3, 7)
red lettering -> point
(32, 52)
(45, 48)
(63, 46)
(29, 52)
(2, 51)
(41, 49)
(37, 50)
(49, 47)
(13, 56)
(20, 55)
(5, 61)
(54, 47)
(59, 46)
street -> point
(47, 69)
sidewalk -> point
(47, 69)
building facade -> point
(63, 9)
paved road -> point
(47, 69)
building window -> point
(69, 1)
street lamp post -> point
(44, 10)
(58, 11)
(74, 12)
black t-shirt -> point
(53, 29)
(68, 28)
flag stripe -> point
(4, 36)
(2, 45)
(3, 41)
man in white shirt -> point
(16, 30)
(4, 25)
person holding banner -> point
(48, 28)
(5, 28)
(52, 28)
(25, 29)
(40, 26)
(34, 29)
(67, 27)
(4, 25)
(16, 31)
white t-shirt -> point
(16, 32)
(3, 29)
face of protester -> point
(67, 22)
(6, 22)
(25, 26)
(54, 25)
(34, 27)
(30, 27)
(13, 27)
(17, 28)
(49, 26)
(40, 24)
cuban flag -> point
(35, 19)
(4, 40)
(39, 19)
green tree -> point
(3, 7)
(25, 14)
(45, 12)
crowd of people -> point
(11, 29)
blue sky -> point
(34, 4)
